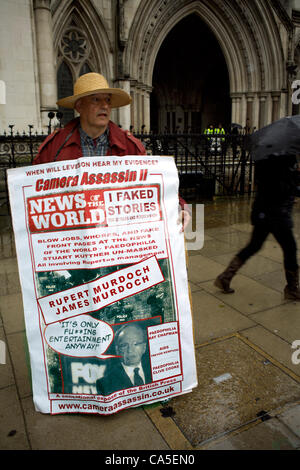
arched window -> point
(74, 50)
(65, 88)
(81, 41)
(85, 69)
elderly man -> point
(133, 367)
(93, 133)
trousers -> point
(283, 234)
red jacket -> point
(120, 143)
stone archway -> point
(249, 38)
(190, 81)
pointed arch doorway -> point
(191, 87)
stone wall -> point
(18, 65)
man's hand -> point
(184, 219)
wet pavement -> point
(248, 397)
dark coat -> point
(278, 181)
(115, 377)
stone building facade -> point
(186, 63)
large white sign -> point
(102, 268)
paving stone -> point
(271, 249)
(18, 348)
(216, 232)
(235, 239)
(202, 269)
(194, 287)
(274, 346)
(255, 266)
(279, 320)
(12, 429)
(213, 318)
(250, 296)
(234, 384)
(245, 227)
(275, 280)
(11, 308)
(6, 372)
(9, 277)
(270, 435)
(291, 418)
(7, 244)
(130, 429)
(9, 284)
(211, 247)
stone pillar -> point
(136, 111)
(124, 117)
(262, 110)
(138, 116)
(146, 107)
(275, 105)
(132, 110)
(249, 111)
(236, 108)
(233, 109)
(140, 108)
(45, 57)
(133, 106)
(283, 104)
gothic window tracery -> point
(74, 45)
(74, 59)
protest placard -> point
(104, 283)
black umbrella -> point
(280, 138)
(238, 126)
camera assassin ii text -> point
(91, 179)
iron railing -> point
(211, 165)
(207, 166)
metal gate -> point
(207, 165)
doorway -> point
(190, 81)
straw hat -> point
(91, 84)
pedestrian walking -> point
(277, 180)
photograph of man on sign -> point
(132, 368)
